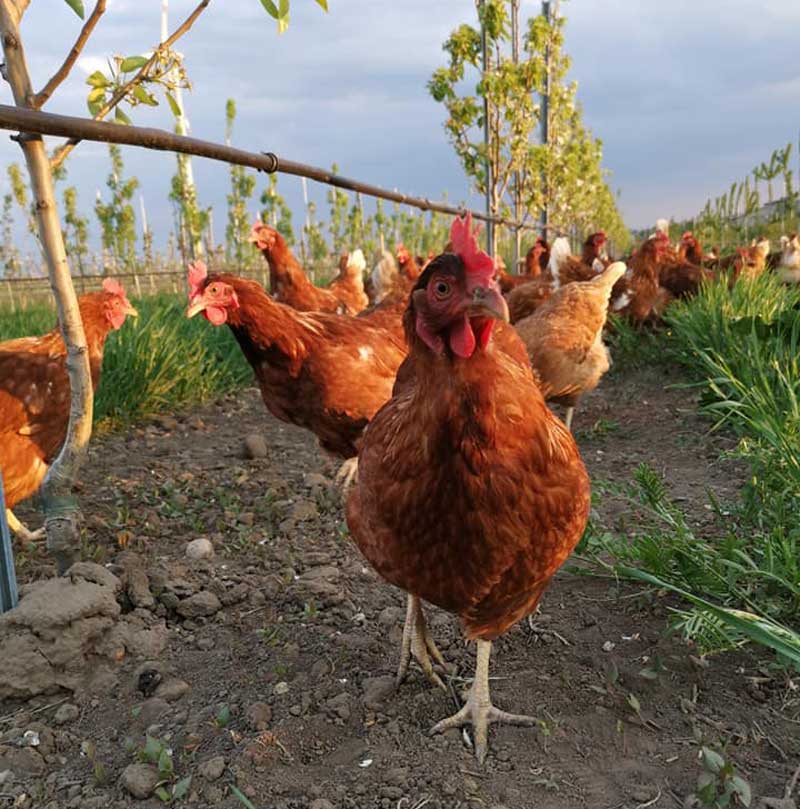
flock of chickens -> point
(430, 383)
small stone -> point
(167, 422)
(150, 711)
(137, 586)
(200, 549)
(172, 690)
(66, 713)
(140, 780)
(259, 715)
(205, 644)
(255, 446)
(321, 803)
(304, 510)
(6, 777)
(204, 603)
(339, 706)
(296, 710)
(316, 481)
(390, 616)
(280, 689)
(376, 690)
(212, 768)
(247, 518)
(321, 573)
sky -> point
(686, 96)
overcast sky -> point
(686, 96)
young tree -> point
(525, 175)
(76, 229)
(276, 212)
(19, 192)
(117, 217)
(337, 223)
(61, 510)
(237, 248)
(12, 265)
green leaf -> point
(742, 790)
(163, 795)
(181, 789)
(132, 63)
(140, 94)
(77, 7)
(165, 767)
(283, 7)
(271, 8)
(95, 106)
(121, 118)
(173, 105)
(97, 79)
(712, 760)
(323, 4)
(152, 749)
(243, 799)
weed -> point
(718, 785)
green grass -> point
(741, 349)
(158, 362)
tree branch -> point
(41, 98)
(61, 153)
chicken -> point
(408, 265)
(525, 299)
(564, 338)
(533, 269)
(287, 280)
(471, 494)
(751, 262)
(683, 273)
(690, 249)
(789, 269)
(566, 268)
(538, 253)
(638, 294)
(348, 286)
(328, 373)
(35, 396)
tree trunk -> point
(60, 507)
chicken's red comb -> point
(687, 235)
(113, 287)
(478, 263)
(198, 272)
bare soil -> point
(307, 628)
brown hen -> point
(471, 494)
(35, 396)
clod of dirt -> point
(212, 769)
(139, 780)
(66, 713)
(376, 690)
(259, 715)
(321, 803)
(21, 760)
(172, 690)
(254, 446)
(201, 604)
(314, 481)
(51, 639)
(303, 510)
(199, 549)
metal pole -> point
(8, 577)
(486, 139)
(545, 134)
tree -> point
(61, 508)
(563, 175)
(276, 212)
(237, 248)
(76, 229)
(117, 217)
(337, 223)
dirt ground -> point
(284, 690)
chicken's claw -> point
(478, 710)
(347, 474)
(24, 533)
(418, 643)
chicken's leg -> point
(478, 710)
(347, 474)
(418, 642)
(24, 533)
(568, 417)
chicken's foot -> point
(478, 710)
(347, 474)
(23, 532)
(417, 642)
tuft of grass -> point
(159, 362)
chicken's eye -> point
(213, 289)
(441, 289)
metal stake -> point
(8, 576)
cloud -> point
(686, 96)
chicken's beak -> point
(195, 307)
(130, 310)
(488, 302)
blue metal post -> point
(8, 576)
